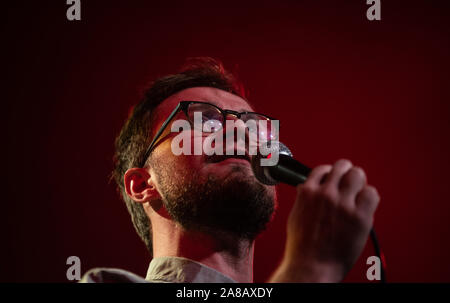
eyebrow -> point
(212, 101)
(203, 99)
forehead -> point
(213, 95)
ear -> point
(139, 185)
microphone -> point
(292, 172)
(287, 170)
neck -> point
(226, 254)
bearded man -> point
(199, 214)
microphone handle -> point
(288, 170)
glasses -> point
(213, 119)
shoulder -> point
(111, 275)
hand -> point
(329, 224)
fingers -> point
(352, 182)
(367, 200)
(317, 175)
(340, 168)
(343, 181)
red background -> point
(343, 87)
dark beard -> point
(239, 206)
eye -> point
(211, 125)
(211, 117)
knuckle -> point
(368, 200)
(359, 172)
(321, 168)
(354, 176)
(358, 176)
(319, 172)
(343, 162)
(373, 194)
(325, 167)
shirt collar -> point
(182, 270)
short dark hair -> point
(133, 139)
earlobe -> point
(138, 185)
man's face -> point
(200, 193)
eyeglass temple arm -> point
(160, 131)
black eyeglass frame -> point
(183, 106)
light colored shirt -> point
(161, 270)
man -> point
(199, 214)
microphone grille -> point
(283, 149)
(261, 172)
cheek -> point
(174, 164)
(185, 143)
